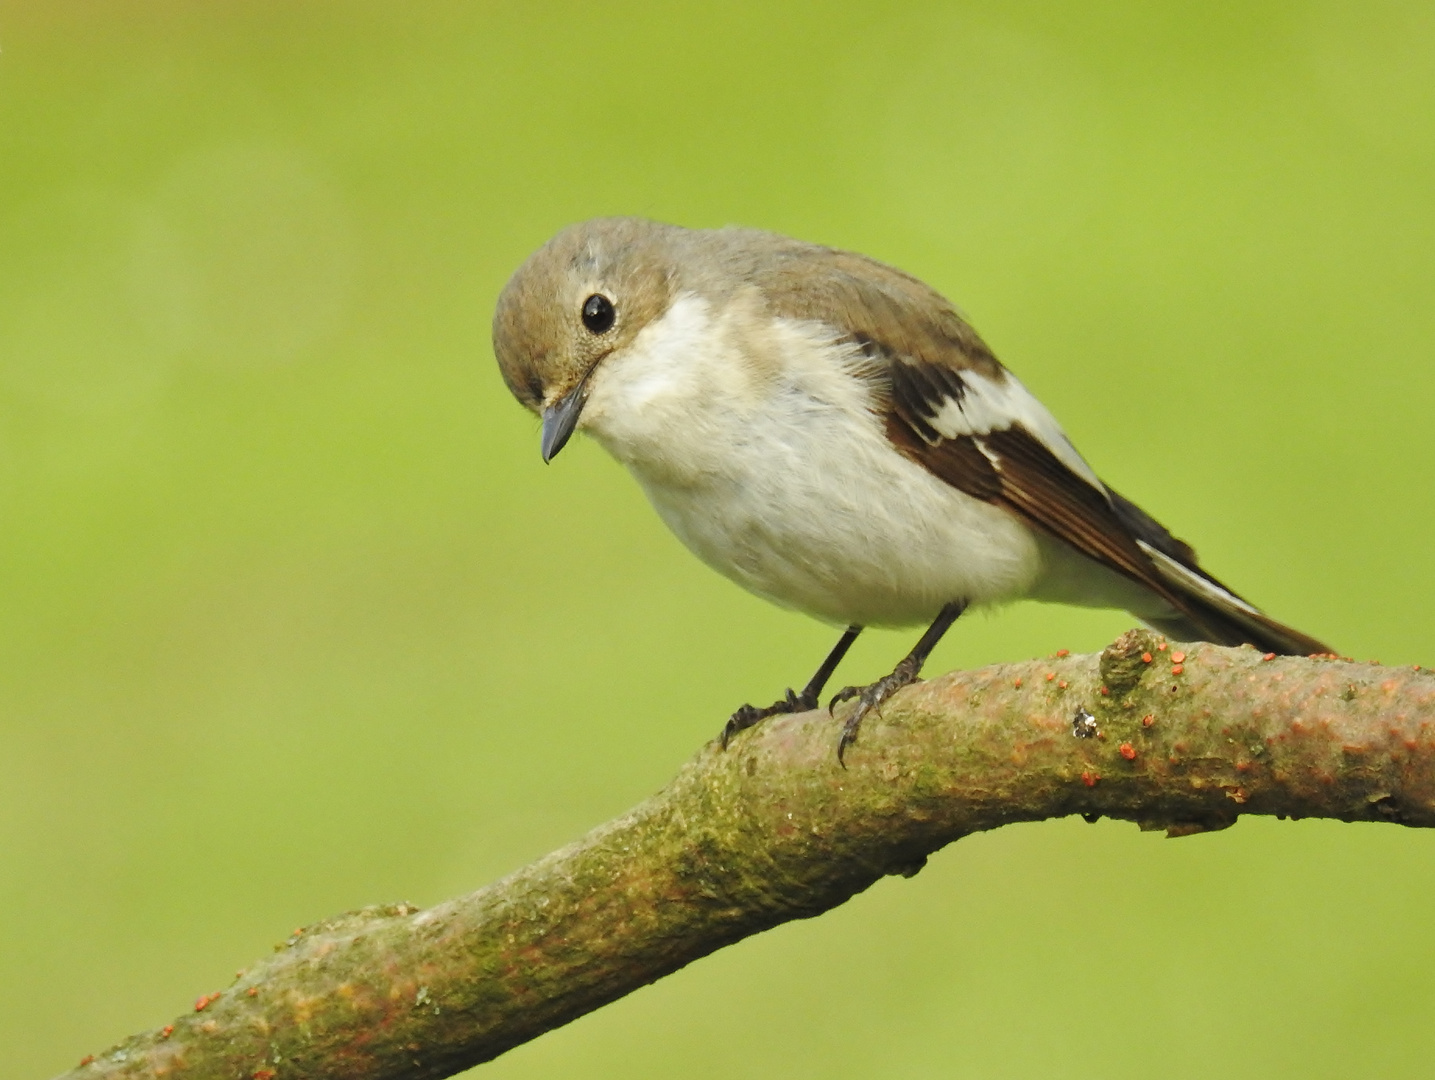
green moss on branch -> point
(1187, 739)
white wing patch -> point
(1190, 582)
(989, 405)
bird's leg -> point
(810, 697)
(906, 672)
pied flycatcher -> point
(829, 433)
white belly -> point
(781, 478)
(829, 537)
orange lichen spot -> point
(298, 930)
(1063, 652)
(204, 1001)
(1145, 658)
(1017, 681)
(1176, 669)
(1178, 658)
(1128, 751)
(1062, 685)
(88, 1059)
(166, 1031)
(1161, 647)
(253, 991)
(1269, 656)
(1050, 675)
(1147, 720)
(1105, 692)
(263, 1074)
(1089, 778)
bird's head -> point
(583, 296)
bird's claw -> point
(749, 715)
(868, 698)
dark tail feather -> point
(1211, 612)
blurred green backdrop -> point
(294, 620)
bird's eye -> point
(598, 313)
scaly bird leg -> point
(810, 698)
(904, 674)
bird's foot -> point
(749, 715)
(868, 698)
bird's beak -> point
(559, 420)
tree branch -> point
(773, 829)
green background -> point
(293, 619)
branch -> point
(773, 829)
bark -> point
(774, 829)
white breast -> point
(757, 444)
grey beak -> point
(559, 420)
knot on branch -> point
(1126, 659)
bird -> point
(830, 433)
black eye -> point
(598, 313)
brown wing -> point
(1028, 472)
(1013, 467)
